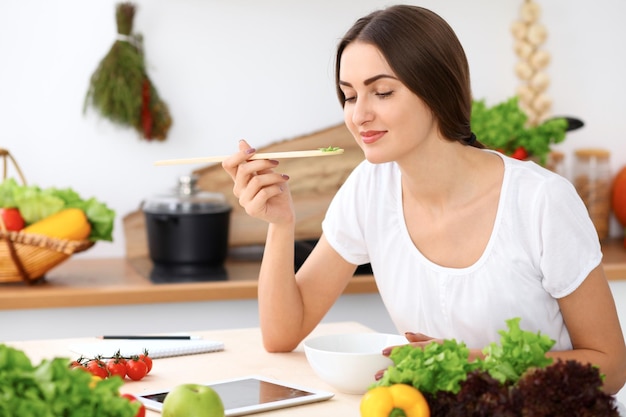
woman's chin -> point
(377, 159)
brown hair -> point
(426, 55)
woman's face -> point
(387, 120)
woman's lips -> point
(372, 136)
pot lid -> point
(187, 199)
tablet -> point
(249, 395)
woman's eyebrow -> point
(369, 80)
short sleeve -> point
(570, 248)
(342, 225)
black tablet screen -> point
(247, 392)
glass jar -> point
(592, 179)
(556, 163)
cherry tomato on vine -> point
(97, 368)
(118, 356)
(116, 367)
(142, 408)
(147, 359)
(136, 369)
(76, 364)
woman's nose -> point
(361, 112)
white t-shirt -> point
(543, 245)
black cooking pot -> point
(188, 227)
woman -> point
(460, 239)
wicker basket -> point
(28, 257)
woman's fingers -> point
(415, 339)
(249, 171)
(231, 164)
(418, 337)
(243, 145)
(259, 189)
(256, 185)
(421, 340)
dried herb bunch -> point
(120, 88)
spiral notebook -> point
(155, 348)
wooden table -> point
(243, 355)
(97, 282)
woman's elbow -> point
(278, 345)
(616, 380)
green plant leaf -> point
(503, 127)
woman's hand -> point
(420, 340)
(263, 193)
(415, 339)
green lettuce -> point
(437, 367)
(518, 350)
(52, 389)
(443, 366)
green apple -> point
(193, 400)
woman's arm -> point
(291, 306)
(593, 324)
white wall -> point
(261, 70)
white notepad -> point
(156, 348)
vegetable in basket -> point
(36, 204)
(69, 223)
(12, 219)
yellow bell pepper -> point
(382, 401)
(69, 223)
(94, 381)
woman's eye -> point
(385, 94)
(349, 99)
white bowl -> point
(349, 362)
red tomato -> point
(142, 408)
(136, 369)
(76, 364)
(98, 368)
(520, 153)
(79, 366)
(116, 367)
(147, 359)
(12, 219)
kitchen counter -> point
(614, 259)
(99, 282)
(116, 281)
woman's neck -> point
(440, 176)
